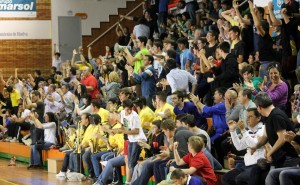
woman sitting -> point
(49, 138)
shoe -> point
(30, 167)
(8, 139)
(65, 147)
(61, 174)
(27, 142)
(14, 140)
(96, 183)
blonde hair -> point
(114, 77)
(196, 143)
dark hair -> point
(183, 41)
(171, 53)
(254, 109)
(57, 53)
(87, 115)
(158, 44)
(36, 93)
(248, 68)
(9, 89)
(274, 65)
(157, 123)
(96, 103)
(180, 116)
(248, 93)
(126, 91)
(95, 119)
(162, 96)
(221, 90)
(140, 102)
(224, 46)
(261, 10)
(189, 120)
(88, 98)
(171, 64)
(185, 14)
(51, 116)
(150, 58)
(214, 34)
(204, 138)
(127, 103)
(83, 91)
(263, 100)
(73, 70)
(235, 29)
(54, 68)
(142, 20)
(38, 72)
(113, 100)
(181, 94)
(143, 39)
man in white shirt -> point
(249, 139)
(53, 100)
(179, 79)
(133, 129)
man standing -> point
(132, 127)
(282, 154)
(186, 56)
(229, 67)
(90, 82)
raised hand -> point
(232, 125)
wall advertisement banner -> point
(17, 8)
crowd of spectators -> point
(183, 91)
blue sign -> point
(17, 8)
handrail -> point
(114, 25)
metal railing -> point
(104, 33)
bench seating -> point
(22, 152)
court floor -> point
(19, 175)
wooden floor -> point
(19, 175)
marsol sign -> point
(17, 8)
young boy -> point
(197, 161)
(178, 177)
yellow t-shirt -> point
(97, 142)
(146, 115)
(234, 22)
(163, 109)
(15, 98)
(88, 134)
(116, 140)
(103, 113)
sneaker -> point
(61, 174)
(96, 183)
(8, 139)
(14, 140)
(65, 147)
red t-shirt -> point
(91, 81)
(204, 169)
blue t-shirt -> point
(184, 57)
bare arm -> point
(279, 143)
(226, 15)
(256, 20)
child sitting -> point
(178, 177)
(198, 163)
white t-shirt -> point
(50, 132)
(131, 122)
(56, 63)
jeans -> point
(238, 176)
(95, 162)
(134, 151)
(109, 168)
(191, 9)
(86, 158)
(159, 170)
(283, 176)
(66, 161)
(35, 155)
(142, 172)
